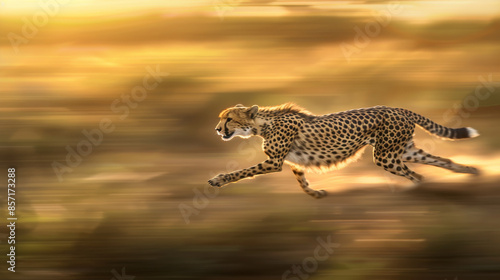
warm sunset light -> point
(109, 112)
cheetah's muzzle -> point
(227, 136)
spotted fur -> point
(306, 141)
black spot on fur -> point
(461, 133)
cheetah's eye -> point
(229, 119)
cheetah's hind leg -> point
(393, 163)
(416, 155)
(304, 184)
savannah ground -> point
(121, 208)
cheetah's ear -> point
(252, 111)
(239, 105)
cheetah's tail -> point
(442, 131)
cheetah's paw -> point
(218, 181)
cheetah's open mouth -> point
(227, 136)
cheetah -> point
(308, 142)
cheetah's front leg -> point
(304, 184)
(267, 166)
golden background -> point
(123, 205)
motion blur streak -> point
(119, 210)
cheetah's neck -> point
(263, 125)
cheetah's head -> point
(237, 121)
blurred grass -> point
(119, 208)
(261, 233)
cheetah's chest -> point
(307, 156)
